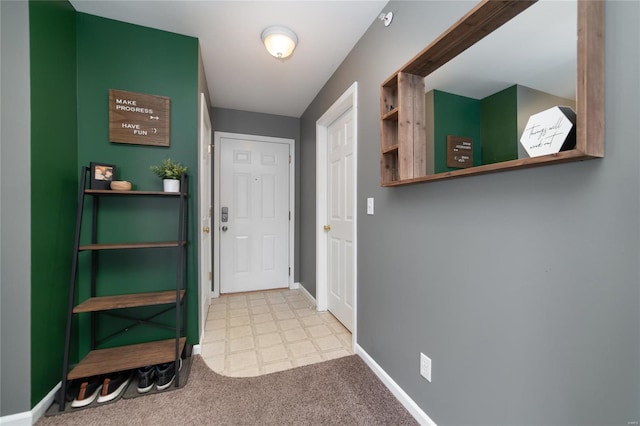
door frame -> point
(215, 225)
(349, 99)
(204, 185)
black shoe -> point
(166, 374)
(146, 377)
(73, 387)
(89, 389)
(113, 385)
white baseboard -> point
(29, 418)
(408, 403)
(294, 286)
(308, 295)
(20, 419)
(42, 406)
(196, 349)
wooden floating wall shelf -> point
(403, 153)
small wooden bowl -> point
(120, 185)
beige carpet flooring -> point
(342, 391)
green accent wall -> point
(116, 55)
(491, 122)
(500, 126)
(75, 60)
(457, 116)
(54, 147)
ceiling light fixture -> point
(279, 41)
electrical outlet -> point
(425, 366)
(370, 206)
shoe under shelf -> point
(103, 361)
(122, 301)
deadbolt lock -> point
(327, 227)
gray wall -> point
(15, 208)
(523, 286)
(279, 126)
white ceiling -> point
(536, 49)
(240, 73)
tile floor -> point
(249, 334)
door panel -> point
(204, 165)
(335, 282)
(341, 218)
(254, 186)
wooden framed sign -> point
(139, 119)
(459, 152)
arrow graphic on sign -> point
(154, 117)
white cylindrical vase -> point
(171, 185)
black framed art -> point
(102, 175)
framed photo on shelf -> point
(102, 175)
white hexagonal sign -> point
(550, 131)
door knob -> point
(206, 230)
(327, 227)
(224, 228)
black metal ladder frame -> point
(181, 280)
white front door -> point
(204, 199)
(340, 215)
(254, 214)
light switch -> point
(425, 366)
(370, 206)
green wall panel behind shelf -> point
(116, 55)
(491, 122)
(500, 126)
(456, 116)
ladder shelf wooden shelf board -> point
(103, 361)
(121, 301)
(130, 193)
(125, 246)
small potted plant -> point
(169, 171)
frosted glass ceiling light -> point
(279, 41)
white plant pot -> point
(171, 185)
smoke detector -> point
(386, 18)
